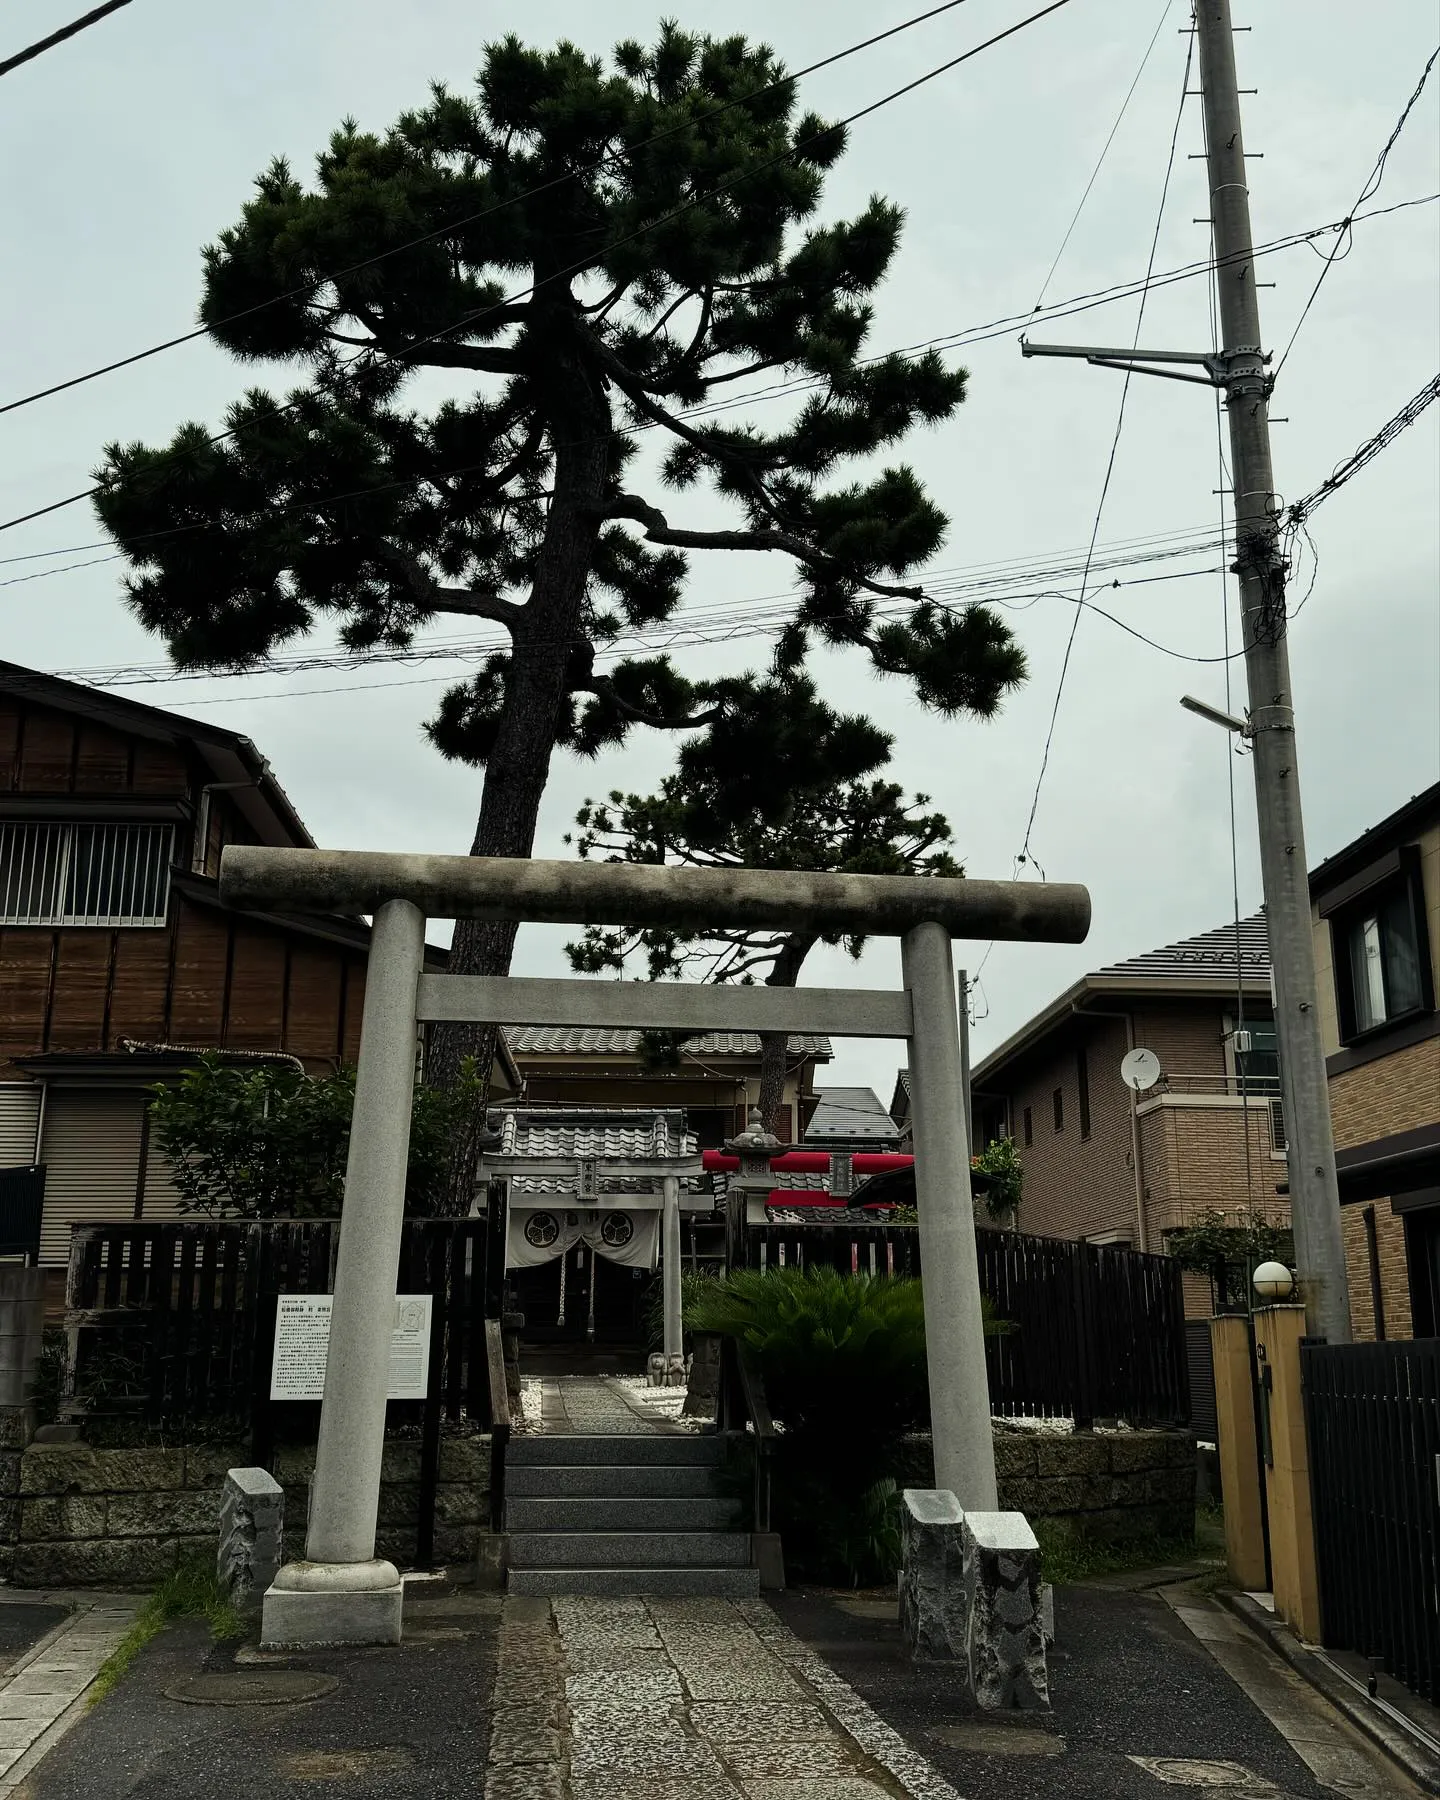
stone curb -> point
(1416, 1762)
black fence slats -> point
(1373, 1425)
(1090, 1331)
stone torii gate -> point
(340, 1592)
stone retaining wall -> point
(71, 1516)
(1111, 1485)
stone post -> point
(670, 1277)
(252, 1534)
(933, 1616)
(341, 1593)
(954, 1326)
(1004, 1606)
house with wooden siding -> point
(118, 961)
(1114, 1167)
(1375, 909)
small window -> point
(1029, 1126)
(1382, 955)
(1082, 1081)
(84, 874)
(1058, 1101)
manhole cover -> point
(260, 1687)
(337, 1765)
(999, 1740)
(1238, 1782)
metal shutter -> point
(91, 1153)
(19, 1112)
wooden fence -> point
(172, 1323)
(1091, 1331)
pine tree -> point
(722, 809)
(601, 249)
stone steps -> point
(610, 1481)
(629, 1549)
(608, 1513)
(628, 1449)
(624, 1514)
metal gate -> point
(1372, 1414)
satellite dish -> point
(1140, 1069)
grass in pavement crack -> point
(192, 1592)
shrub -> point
(843, 1361)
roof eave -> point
(1110, 987)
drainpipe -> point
(1142, 1237)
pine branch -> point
(604, 689)
(471, 603)
(658, 530)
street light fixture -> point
(1215, 715)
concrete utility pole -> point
(1238, 368)
(1260, 567)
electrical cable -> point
(955, 341)
(382, 358)
(1104, 152)
(1367, 192)
(59, 37)
(1024, 855)
(461, 224)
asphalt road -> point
(1127, 1679)
(399, 1725)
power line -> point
(462, 223)
(1297, 514)
(1371, 187)
(59, 37)
(763, 616)
(1024, 855)
(1104, 152)
(959, 340)
(374, 358)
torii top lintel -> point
(585, 893)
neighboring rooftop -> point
(850, 1115)
(1197, 967)
(603, 1040)
(232, 759)
(1421, 810)
(1211, 953)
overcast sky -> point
(133, 145)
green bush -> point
(843, 1361)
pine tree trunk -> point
(536, 693)
(774, 1045)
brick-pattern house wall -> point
(1194, 1158)
(1393, 1093)
(1394, 1272)
(1075, 1186)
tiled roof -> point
(599, 1040)
(635, 1132)
(850, 1112)
(1210, 954)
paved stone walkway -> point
(633, 1699)
(42, 1690)
(593, 1404)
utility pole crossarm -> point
(1216, 363)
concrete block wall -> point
(74, 1516)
